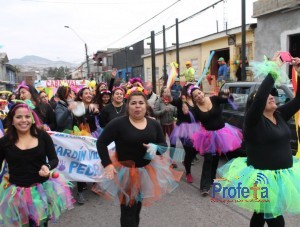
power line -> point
(142, 24)
(171, 26)
(81, 3)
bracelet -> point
(48, 165)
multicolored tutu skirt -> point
(184, 132)
(41, 202)
(226, 139)
(272, 192)
(145, 184)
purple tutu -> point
(184, 132)
(226, 139)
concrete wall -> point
(272, 32)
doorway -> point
(214, 66)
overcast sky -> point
(36, 27)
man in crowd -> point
(222, 71)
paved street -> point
(184, 207)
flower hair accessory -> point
(135, 89)
(135, 80)
(189, 91)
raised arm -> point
(256, 110)
(290, 108)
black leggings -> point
(209, 170)
(33, 224)
(130, 215)
(190, 154)
(258, 220)
(80, 186)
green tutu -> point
(277, 191)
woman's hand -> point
(72, 106)
(44, 171)
(93, 108)
(151, 149)
(296, 64)
(110, 171)
(224, 93)
(114, 73)
(185, 108)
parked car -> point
(240, 92)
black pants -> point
(33, 224)
(258, 220)
(209, 170)
(80, 186)
(130, 215)
(190, 154)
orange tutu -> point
(145, 184)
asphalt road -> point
(185, 207)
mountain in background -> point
(36, 61)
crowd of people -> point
(142, 168)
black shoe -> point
(85, 186)
(204, 192)
(80, 198)
(196, 159)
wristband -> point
(48, 165)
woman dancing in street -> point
(214, 137)
(135, 175)
(30, 195)
(185, 128)
(269, 155)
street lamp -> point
(126, 63)
(86, 49)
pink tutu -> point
(226, 139)
(184, 132)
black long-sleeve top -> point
(268, 144)
(110, 112)
(181, 117)
(129, 140)
(211, 119)
(46, 115)
(24, 165)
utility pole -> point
(86, 50)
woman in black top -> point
(28, 195)
(114, 109)
(134, 173)
(214, 137)
(185, 128)
(269, 168)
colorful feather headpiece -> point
(262, 69)
(136, 89)
(135, 80)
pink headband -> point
(23, 85)
(118, 87)
(189, 91)
(34, 117)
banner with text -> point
(78, 157)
